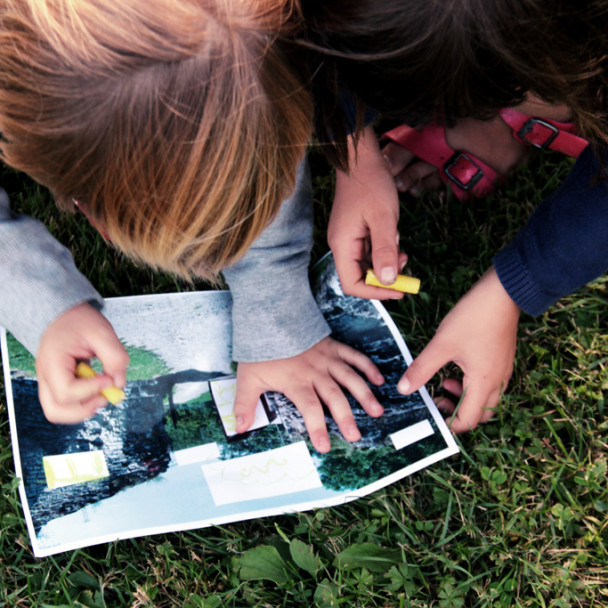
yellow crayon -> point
(403, 283)
(112, 394)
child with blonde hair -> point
(180, 128)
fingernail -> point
(388, 161)
(239, 422)
(353, 435)
(351, 432)
(403, 386)
(400, 184)
(414, 191)
(388, 275)
(377, 410)
(323, 444)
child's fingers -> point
(113, 357)
(82, 390)
(384, 238)
(307, 402)
(432, 182)
(467, 414)
(361, 362)
(424, 367)
(454, 386)
(66, 399)
(248, 392)
(357, 387)
(385, 259)
(402, 261)
(445, 405)
(68, 412)
(397, 158)
(370, 292)
(331, 394)
(349, 262)
(349, 268)
(65, 387)
(489, 409)
(414, 175)
(477, 406)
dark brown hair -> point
(420, 60)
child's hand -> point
(479, 335)
(362, 231)
(79, 334)
(314, 377)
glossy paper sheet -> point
(168, 458)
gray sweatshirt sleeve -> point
(38, 277)
(274, 314)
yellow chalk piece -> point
(80, 467)
(403, 283)
(112, 394)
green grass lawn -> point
(519, 518)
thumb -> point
(423, 368)
(385, 251)
(245, 401)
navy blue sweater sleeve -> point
(564, 245)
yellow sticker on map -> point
(80, 467)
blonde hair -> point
(178, 125)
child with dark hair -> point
(490, 77)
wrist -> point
(496, 293)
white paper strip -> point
(411, 434)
